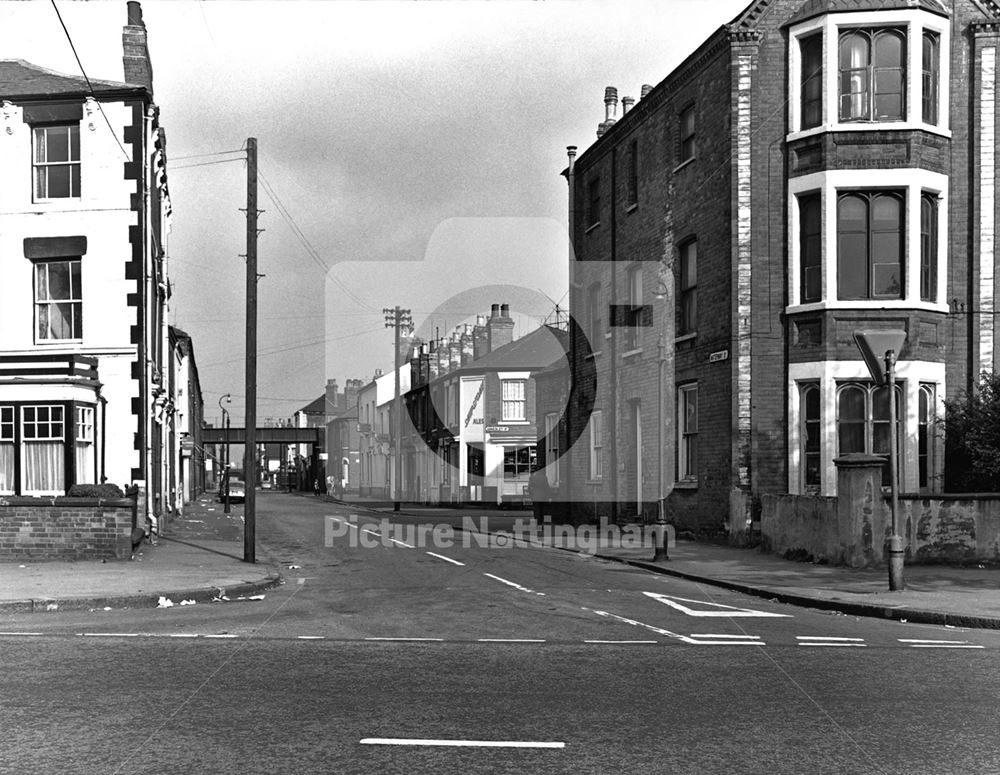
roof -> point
(542, 347)
(813, 8)
(315, 407)
(20, 79)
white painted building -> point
(84, 213)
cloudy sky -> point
(409, 155)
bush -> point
(105, 491)
(972, 438)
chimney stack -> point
(480, 338)
(610, 109)
(627, 103)
(135, 51)
(646, 89)
(500, 328)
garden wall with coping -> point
(66, 528)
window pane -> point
(57, 181)
(812, 81)
(852, 266)
(888, 49)
(57, 144)
(853, 50)
(74, 143)
(75, 288)
(41, 281)
(59, 281)
(689, 265)
(810, 247)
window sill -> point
(591, 227)
(684, 164)
(594, 482)
(686, 484)
(632, 207)
(867, 126)
(881, 304)
(685, 337)
(632, 353)
(56, 342)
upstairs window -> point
(594, 202)
(56, 161)
(810, 248)
(931, 70)
(633, 173)
(634, 308)
(812, 80)
(928, 246)
(872, 74)
(594, 310)
(596, 467)
(687, 134)
(687, 302)
(870, 245)
(58, 300)
(514, 400)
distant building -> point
(471, 431)
(187, 419)
(812, 168)
(342, 437)
(84, 210)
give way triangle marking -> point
(707, 609)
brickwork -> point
(65, 528)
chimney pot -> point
(134, 10)
(646, 89)
(627, 103)
(504, 310)
(610, 103)
(494, 310)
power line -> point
(87, 79)
(203, 164)
(204, 155)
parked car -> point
(237, 487)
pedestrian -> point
(316, 487)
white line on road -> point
(462, 743)
(417, 639)
(945, 646)
(219, 636)
(311, 637)
(20, 633)
(401, 543)
(832, 644)
(512, 584)
(828, 637)
(371, 532)
(925, 640)
(511, 640)
(349, 524)
(176, 635)
(109, 634)
(446, 559)
(730, 637)
(717, 610)
(619, 642)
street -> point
(407, 658)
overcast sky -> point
(413, 150)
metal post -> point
(397, 318)
(225, 451)
(660, 552)
(250, 427)
(895, 539)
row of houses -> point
(96, 386)
(813, 168)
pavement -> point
(200, 558)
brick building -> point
(812, 168)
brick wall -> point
(65, 528)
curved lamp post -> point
(225, 454)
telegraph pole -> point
(397, 318)
(250, 424)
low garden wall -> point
(852, 528)
(66, 528)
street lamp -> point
(225, 453)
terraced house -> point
(84, 211)
(812, 168)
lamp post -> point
(225, 453)
(660, 551)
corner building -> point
(811, 169)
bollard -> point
(896, 555)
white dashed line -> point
(511, 640)
(219, 637)
(461, 743)
(918, 643)
(371, 532)
(446, 559)
(620, 642)
(437, 640)
(830, 640)
(108, 634)
(512, 584)
(22, 634)
(401, 543)
(311, 637)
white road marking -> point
(715, 609)
(511, 640)
(417, 639)
(109, 634)
(311, 637)
(219, 636)
(462, 743)
(446, 559)
(20, 633)
(925, 640)
(401, 543)
(349, 524)
(633, 622)
(731, 637)
(921, 643)
(828, 637)
(176, 635)
(512, 584)
(371, 532)
(621, 641)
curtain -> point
(84, 462)
(6, 468)
(44, 467)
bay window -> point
(43, 443)
(872, 75)
(870, 242)
(812, 80)
(863, 422)
(810, 247)
(928, 246)
(810, 436)
(6, 450)
(931, 76)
